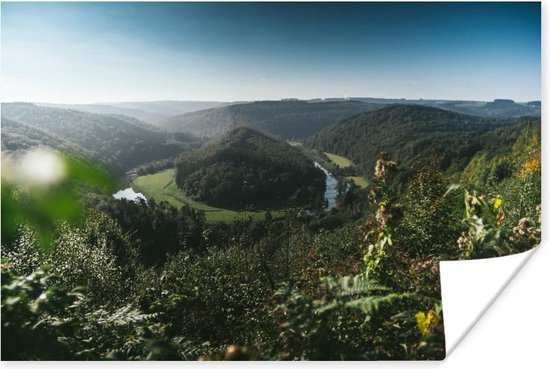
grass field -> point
(339, 161)
(161, 186)
(295, 143)
(358, 181)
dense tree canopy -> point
(248, 169)
(285, 119)
(411, 131)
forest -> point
(246, 168)
(89, 277)
(411, 131)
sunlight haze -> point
(100, 52)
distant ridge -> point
(287, 119)
(496, 108)
(152, 112)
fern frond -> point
(371, 304)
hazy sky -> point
(93, 52)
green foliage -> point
(483, 218)
(120, 334)
(488, 236)
(32, 317)
(231, 280)
(431, 216)
(350, 319)
(42, 205)
(96, 255)
(156, 230)
(378, 231)
(41, 321)
(502, 211)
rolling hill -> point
(19, 136)
(119, 142)
(247, 169)
(410, 131)
(283, 119)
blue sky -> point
(95, 52)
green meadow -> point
(295, 143)
(161, 186)
(358, 181)
(338, 160)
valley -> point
(260, 181)
(162, 187)
(269, 205)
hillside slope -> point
(284, 119)
(408, 131)
(19, 136)
(119, 142)
(245, 168)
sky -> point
(101, 52)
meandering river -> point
(331, 190)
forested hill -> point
(285, 119)
(118, 141)
(20, 136)
(245, 168)
(408, 131)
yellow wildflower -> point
(530, 166)
(424, 322)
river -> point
(331, 188)
(129, 194)
(331, 191)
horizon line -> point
(267, 99)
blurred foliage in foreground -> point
(42, 202)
